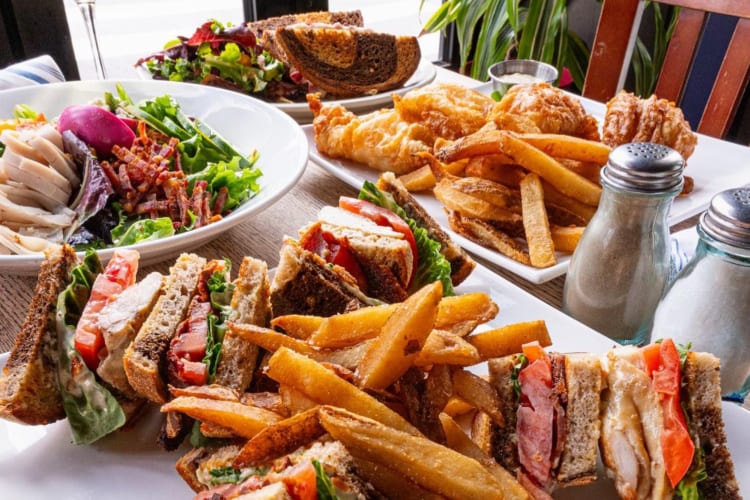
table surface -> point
(261, 237)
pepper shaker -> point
(621, 265)
(708, 304)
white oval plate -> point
(246, 122)
(424, 74)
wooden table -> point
(261, 237)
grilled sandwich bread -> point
(29, 391)
(347, 61)
(144, 357)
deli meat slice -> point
(536, 417)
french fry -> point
(401, 339)
(211, 430)
(280, 439)
(472, 206)
(486, 234)
(489, 191)
(430, 465)
(267, 400)
(566, 238)
(421, 179)
(424, 397)
(211, 391)
(444, 348)
(391, 483)
(299, 326)
(568, 146)
(457, 406)
(536, 224)
(294, 400)
(480, 393)
(507, 175)
(484, 141)
(534, 160)
(268, 339)
(348, 357)
(342, 330)
(509, 339)
(457, 439)
(583, 168)
(481, 431)
(555, 197)
(476, 306)
(323, 386)
(243, 420)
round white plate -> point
(246, 122)
(424, 74)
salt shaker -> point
(621, 265)
(708, 304)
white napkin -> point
(41, 69)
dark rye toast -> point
(144, 358)
(29, 391)
(349, 61)
(251, 303)
(461, 263)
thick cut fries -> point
(401, 339)
(536, 224)
(442, 347)
(565, 181)
(348, 357)
(457, 439)
(569, 146)
(566, 238)
(509, 339)
(486, 234)
(268, 339)
(243, 420)
(323, 386)
(473, 206)
(421, 179)
(425, 397)
(432, 466)
(280, 439)
(478, 392)
(298, 326)
(294, 400)
(457, 406)
(554, 197)
(481, 431)
(391, 483)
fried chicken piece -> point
(549, 108)
(380, 139)
(631, 119)
(448, 110)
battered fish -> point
(448, 110)
(632, 119)
(380, 139)
(549, 108)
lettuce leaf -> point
(241, 183)
(92, 410)
(323, 483)
(220, 292)
(432, 265)
(129, 232)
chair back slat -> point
(731, 83)
(734, 8)
(608, 54)
(679, 56)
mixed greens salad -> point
(230, 57)
(115, 173)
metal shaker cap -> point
(644, 167)
(727, 219)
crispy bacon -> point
(149, 179)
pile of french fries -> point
(524, 194)
(390, 382)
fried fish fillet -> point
(632, 119)
(448, 110)
(549, 108)
(380, 139)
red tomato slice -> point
(333, 251)
(533, 351)
(651, 357)
(301, 482)
(119, 273)
(383, 217)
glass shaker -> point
(708, 304)
(619, 269)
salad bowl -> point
(246, 123)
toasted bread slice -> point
(251, 303)
(305, 284)
(144, 357)
(461, 263)
(349, 61)
(29, 391)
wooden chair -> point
(615, 38)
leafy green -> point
(241, 183)
(230, 475)
(91, 409)
(2, 149)
(220, 291)
(24, 112)
(647, 65)
(520, 364)
(129, 232)
(431, 264)
(323, 483)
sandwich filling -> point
(195, 349)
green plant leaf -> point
(494, 20)
(577, 57)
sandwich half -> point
(677, 447)
(551, 410)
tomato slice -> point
(651, 357)
(383, 217)
(119, 273)
(677, 446)
(301, 482)
(533, 351)
(335, 252)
